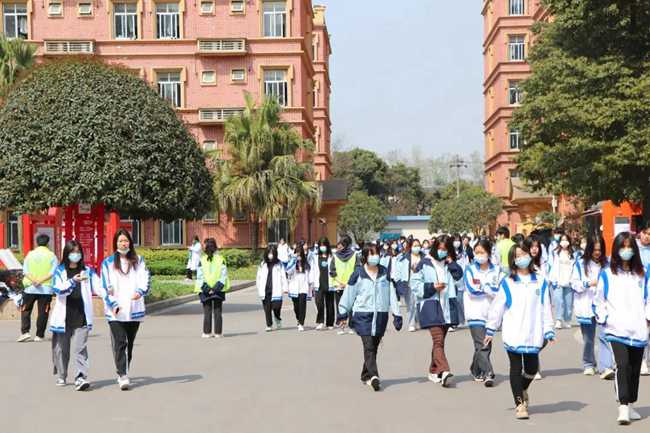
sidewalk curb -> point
(159, 306)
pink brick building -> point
(202, 55)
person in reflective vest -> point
(212, 284)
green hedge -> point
(174, 262)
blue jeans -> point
(563, 303)
(605, 354)
(461, 307)
(411, 307)
(588, 337)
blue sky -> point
(407, 73)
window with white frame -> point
(207, 6)
(277, 230)
(85, 9)
(208, 77)
(14, 20)
(238, 75)
(516, 48)
(275, 19)
(276, 86)
(209, 145)
(12, 232)
(515, 139)
(514, 93)
(135, 229)
(211, 217)
(237, 6)
(126, 20)
(171, 233)
(55, 8)
(169, 87)
(516, 7)
(167, 21)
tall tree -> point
(263, 176)
(363, 169)
(362, 216)
(16, 56)
(586, 111)
(473, 210)
(405, 193)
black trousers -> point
(325, 307)
(300, 308)
(628, 369)
(523, 368)
(43, 302)
(122, 339)
(481, 364)
(212, 308)
(370, 348)
(275, 307)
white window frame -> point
(514, 136)
(13, 227)
(276, 85)
(514, 92)
(516, 7)
(128, 18)
(79, 10)
(168, 21)
(234, 78)
(237, 10)
(206, 2)
(211, 82)
(516, 48)
(20, 22)
(175, 229)
(209, 145)
(53, 12)
(170, 87)
(274, 19)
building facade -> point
(202, 56)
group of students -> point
(123, 284)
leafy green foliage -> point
(77, 130)
(472, 210)
(405, 193)
(363, 169)
(16, 56)
(174, 261)
(586, 111)
(362, 216)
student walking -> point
(345, 262)
(38, 270)
(406, 265)
(481, 286)
(365, 303)
(271, 283)
(125, 279)
(74, 285)
(301, 279)
(560, 277)
(622, 306)
(522, 308)
(325, 291)
(212, 284)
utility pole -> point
(458, 163)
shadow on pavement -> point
(137, 382)
(387, 383)
(197, 309)
(561, 372)
(561, 406)
(644, 411)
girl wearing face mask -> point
(585, 280)
(301, 279)
(126, 280)
(435, 291)
(72, 316)
(325, 289)
(426, 247)
(406, 266)
(457, 261)
(560, 277)
(481, 286)
(271, 283)
(622, 306)
(541, 268)
(522, 308)
(366, 302)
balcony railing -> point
(217, 115)
(69, 47)
(224, 47)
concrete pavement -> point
(286, 382)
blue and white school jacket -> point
(403, 274)
(280, 282)
(120, 289)
(554, 270)
(479, 297)
(435, 308)
(367, 302)
(622, 306)
(63, 286)
(584, 292)
(522, 308)
(301, 283)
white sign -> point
(84, 208)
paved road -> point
(286, 382)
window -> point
(126, 20)
(171, 233)
(516, 7)
(85, 9)
(169, 87)
(276, 86)
(237, 6)
(515, 139)
(207, 7)
(238, 75)
(209, 145)
(278, 230)
(134, 227)
(208, 77)
(15, 20)
(240, 217)
(55, 8)
(514, 173)
(516, 50)
(275, 17)
(211, 217)
(12, 232)
(514, 93)
(167, 21)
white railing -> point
(69, 47)
(222, 46)
(218, 115)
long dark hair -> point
(367, 250)
(448, 242)
(67, 249)
(569, 248)
(529, 242)
(512, 256)
(302, 264)
(273, 249)
(324, 242)
(486, 245)
(131, 256)
(636, 265)
(210, 247)
(588, 255)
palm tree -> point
(263, 176)
(16, 55)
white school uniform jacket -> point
(522, 308)
(120, 289)
(301, 283)
(63, 287)
(622, 306)
(554, 270)
(585, 293)
(194, 257)
(280, 283)
(479, 297)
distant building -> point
(406, 225)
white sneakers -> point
(206, 336)
(124, 382)
(608, 374)
(374, 383)
(23, 338)
(589, 371)
(538, 376)
(38, 339)
(623, 414)
(320, 327)
(558, 324)
(634, 415)
(60, 382)
(301, 328)
(434, 378)
(442, 379)
(644, 368)
(268, 329)
(412, 328)
(81, 384)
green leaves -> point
(472, 210)
(77, 130)
(16, 56)
(362, 216)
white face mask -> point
(583, 245)
(123, 251)
(270, 256)
(564, 244)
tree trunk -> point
(255, 234)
